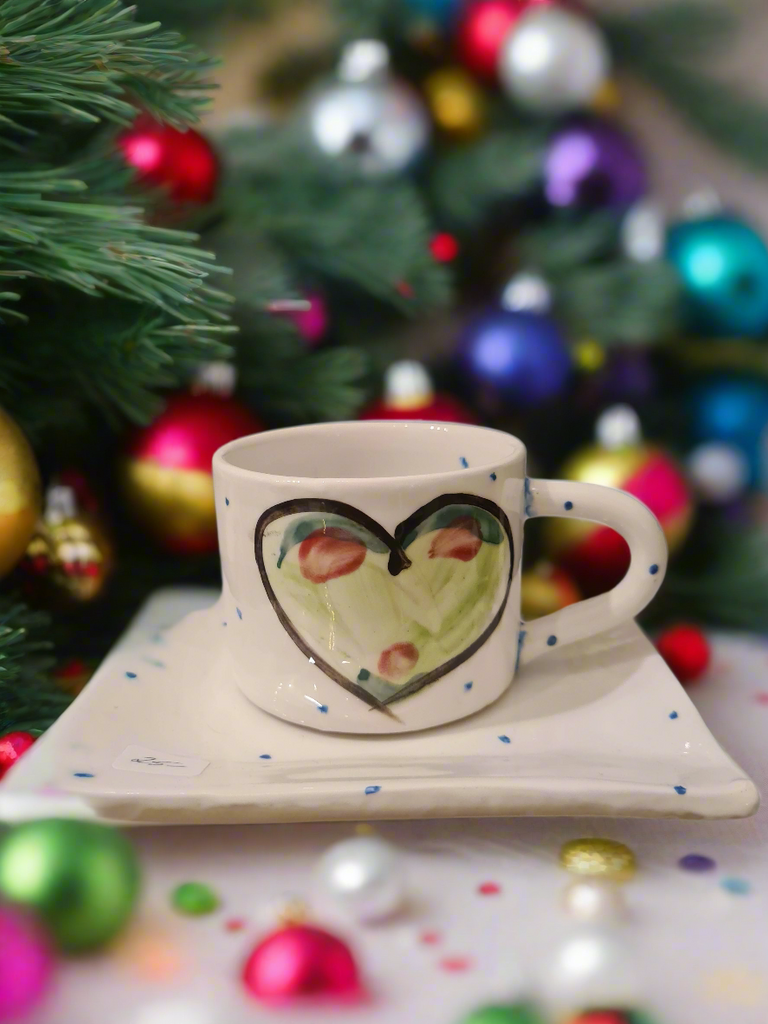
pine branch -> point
(666, 46)
(28, 699)
(89, 60)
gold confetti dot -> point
(589, 355)
(603, 857)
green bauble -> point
(82, 879)
(723, 263)
(520, 1013)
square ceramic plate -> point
(161, 736)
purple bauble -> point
(593, 163)
(517, 357)
(26, 964)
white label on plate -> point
(157, 762)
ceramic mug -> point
(371, 571)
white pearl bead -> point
(644, 232)
(618, 427)
(594, 899)
(719, 470)
(365, 876)
(593, 967)
(527, 292)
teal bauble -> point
(723, 263)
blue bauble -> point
(517, 357)
(723, 263)
(441, 13)
(735, 411)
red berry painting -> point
(383, 613)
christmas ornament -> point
(719, 471)
(546, 589)
(26, 964)
(517, 1014)
(553, 60)
(435, 13)
(604, 1017)
(592, 162)
(444, 247)
(589, 355)
(686, 650)
(409, 395)
(594, 966)
(301, 961)
(481, 34)
(12, 746)
(644, 232)
(82, 879)
(604, 857)
(377, 123)
(364, 875)
(456, 101)
(69, 558)
(520, 358)
(312, 323)
(194, 899)
(527, 292)
(183, 163)
(723, 265)
(594, 899)
(597, 556)
(734, 411)
(73, 674)
(167, 471)
(19, 493)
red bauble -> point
(301, 962)
(444, 247)
(184, 163)
(12, 746)
(483, 29)
(686, 650)
(167, 472)
(408, 395)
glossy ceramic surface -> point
(162, 735)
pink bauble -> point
(312, 323)
(301, 962)
(26, 964)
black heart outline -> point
(398, 561)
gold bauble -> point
(604, 857)
(68, 560)
(19, 493)
(456, 101)
(546, 589)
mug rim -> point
(223, 466)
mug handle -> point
(647, 544)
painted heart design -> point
(385, 615)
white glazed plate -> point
(161, 736)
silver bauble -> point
(553, 60)
(365, 876)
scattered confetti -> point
(234, 924)
(505, 739)
(681, 790)
(370, 790)
(696, 862)
(468, 686)
(494, 477)
(489, 889)
(265, 757)
(455, 964)
(194, 899)
(604, 857)
(464, 463)
(430, 938)
(130, 675)
(673, 714)
(84, 775)
(736, 886)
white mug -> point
(371, 571)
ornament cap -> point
(215, 378)
(407, 385)
(363, 60)
(527, 292)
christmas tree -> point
(450, 184)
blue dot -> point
(226, 501)
(493, 477)
(130, 675)
(265, 757)
(239, 614)
(370, 790)
(681, 790)
(223, 623)
(84, 775)
(363, 675)
(673, 714)
(464, 463)
(654, 569)
(551, 641)
(568, 506)
(323, 709)
(505, 739)
(468, 686)
(696, 862)
(736, 886)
